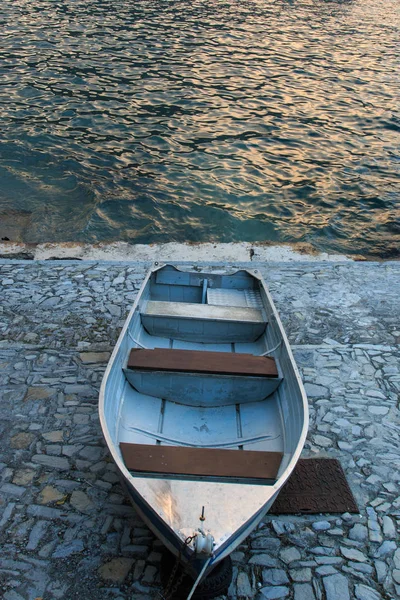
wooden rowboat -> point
(203, 409)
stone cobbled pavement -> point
(66, 528)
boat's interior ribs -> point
(209, 463)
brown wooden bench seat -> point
(198, 361)
(201, 462)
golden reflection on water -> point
(158, 121)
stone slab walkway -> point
(66, 528)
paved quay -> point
(66, 528)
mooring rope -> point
(196, 583)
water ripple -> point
(230, 120)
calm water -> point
(153, 121)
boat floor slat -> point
(202, 462)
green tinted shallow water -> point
(155, 121)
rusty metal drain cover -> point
(317, 485)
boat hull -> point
(203, 411)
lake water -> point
(155, 121)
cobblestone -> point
(66, 550)
(275, 576)
(303, 591)
(336, 586)
(275, 593)
(67, 529)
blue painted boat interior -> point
(150, 418)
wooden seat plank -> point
(198, 361)
(189, 310)
(202, 462)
